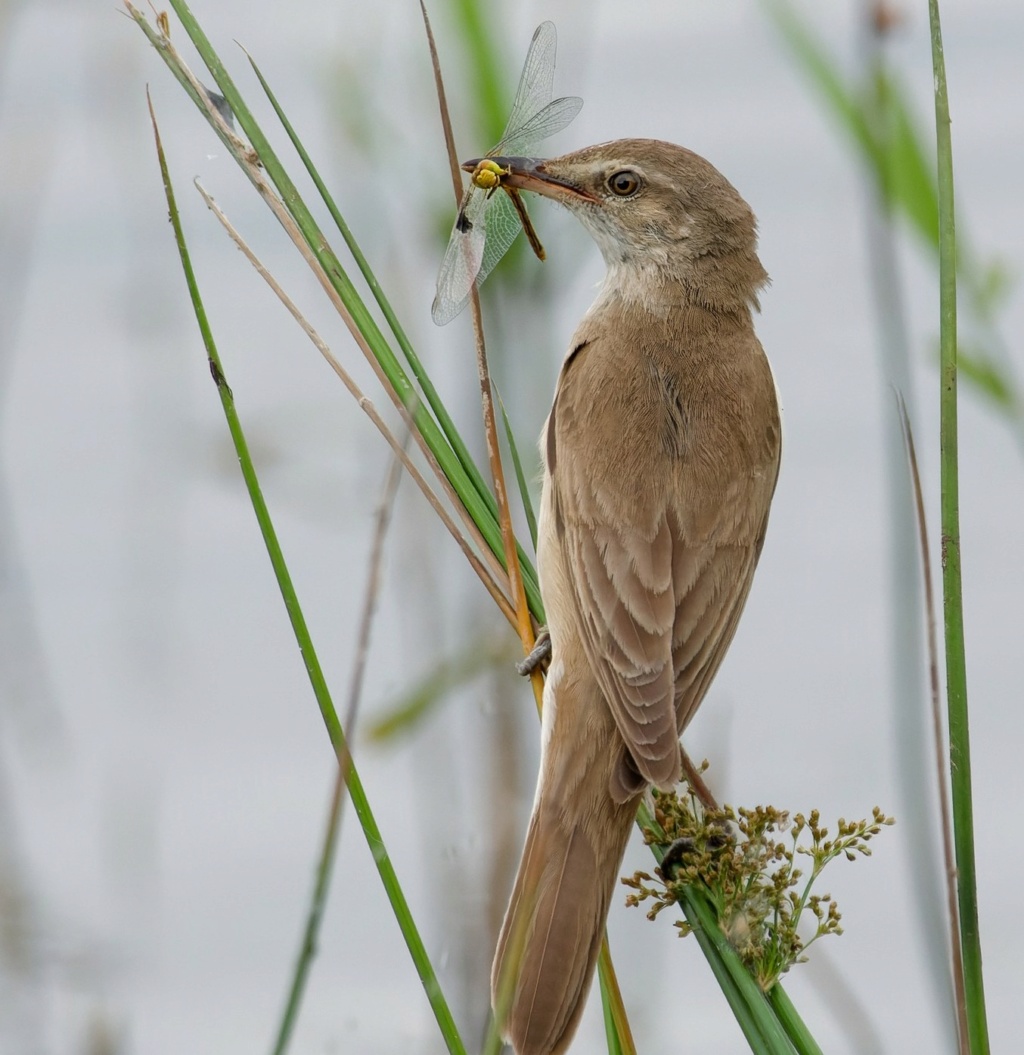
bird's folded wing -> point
(626, 602)
(657, 610)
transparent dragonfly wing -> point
(536, 82)
(462, 258)
(473, 253)
(553, 118)
(501, 225)
(487, 225)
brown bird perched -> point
(661, 454)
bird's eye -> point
(624, 183)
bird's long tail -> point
(555, 920)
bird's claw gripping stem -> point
(539, 654)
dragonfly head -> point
(486, 173)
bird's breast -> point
(647, 415)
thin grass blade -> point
(938, 734)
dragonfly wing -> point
(463, 258)
(553, 118)
(473, 253)
(489, 225)
(502, 225)
(536, 82)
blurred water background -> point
(164, 772)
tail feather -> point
(552, 932)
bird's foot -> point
(716, 838)
(539, 654)
(675, 855)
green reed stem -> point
(952, 590)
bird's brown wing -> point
(658, 585)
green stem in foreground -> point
(763, 1030)
(791, 1021)
(956, 668)
(770, 1024)
(356, 791)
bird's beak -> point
(530, 174)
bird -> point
(661, 453)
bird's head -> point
(658, 212)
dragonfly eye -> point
(623, 183)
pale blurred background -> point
(164, 772)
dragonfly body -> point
(490, 174)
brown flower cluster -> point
(756, 868)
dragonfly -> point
(488, 222)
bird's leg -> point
(692, 776)
(539, 654)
